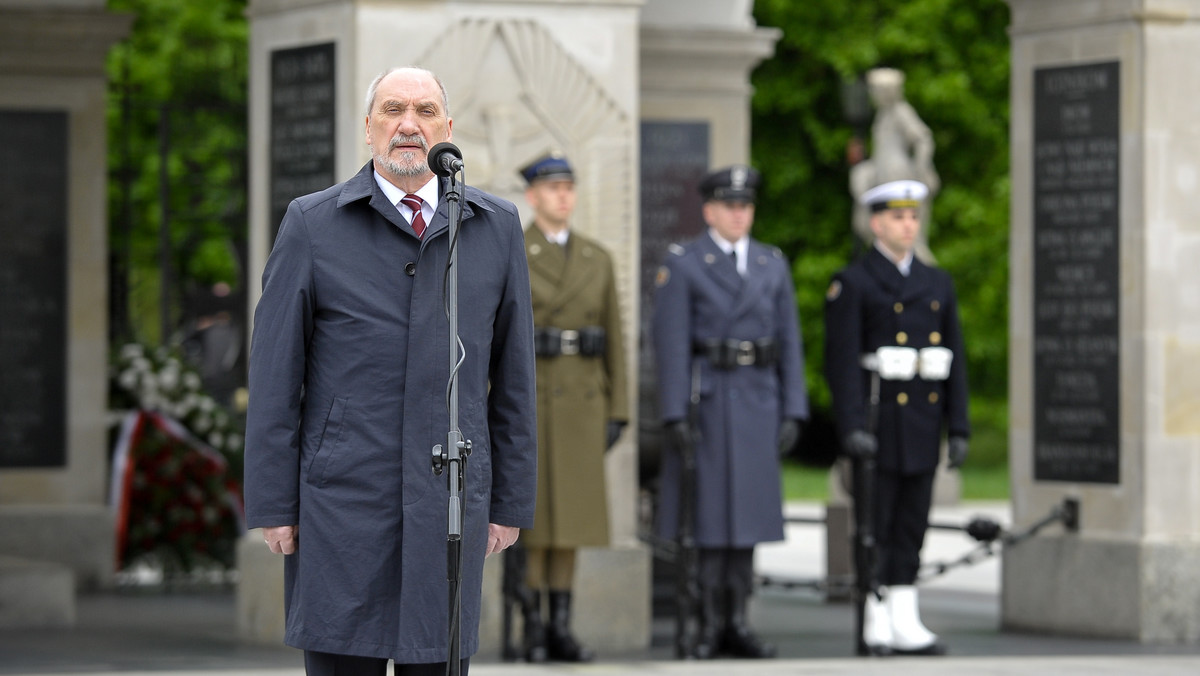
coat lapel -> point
(546, 260)
(719, 266)
(581, 270)
(756, 277)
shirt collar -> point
(559, 237)
(904, 265)
(428, 193)
(742, 247)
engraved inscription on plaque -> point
(1077, 281)
(33, 288)
(674, 158)
(302, 125)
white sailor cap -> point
(895, 195)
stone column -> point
(53, 291)
(523, 78)
(1104, 328)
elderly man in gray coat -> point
(348, 371)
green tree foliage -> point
(185, 65)
(955, 57)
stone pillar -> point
(1105, 340)
(523, 78)
(53, 287)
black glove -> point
(789, 435)
(679, 433)
(860, 444)
(956, 453)
(614, 431)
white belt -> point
(904, 363)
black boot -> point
(535, 630)
(560, 644)
(737, 639)
(710, 625)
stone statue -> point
(901, 148)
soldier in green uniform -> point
(582, 402)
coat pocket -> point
(327, 444)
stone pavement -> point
(193, 633)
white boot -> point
(908, 634)
(877, 624)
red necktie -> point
(418, 219)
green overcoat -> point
(576, 395)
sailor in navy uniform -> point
(892, 321)
(725, 323)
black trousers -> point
(330, 664)
(727, 568)
(901, 519)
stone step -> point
(35, 594)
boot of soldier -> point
(560, 644)
(738, 640)
(709, 641)
(909, 634)
(535, 630)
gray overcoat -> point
(699, 295)
(348, 371)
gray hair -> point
(371, 90)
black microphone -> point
(445, 158)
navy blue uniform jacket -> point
(871, 305)
(348, 371)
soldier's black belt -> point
(549, 341)
(731, 353)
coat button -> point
(933, 397)
(902, 398)
(902, 338)
(935, 338)
(935, 306)
(898, 307)
(410, 269)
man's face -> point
(553, 201)
(731, 220)
(896, 230)
(407, 118)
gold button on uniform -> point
(933, 397)
(935, 338)
(935, 306)
(902, 398)
(898, 307)
(901, 338)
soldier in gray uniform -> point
(726, 328)
(891, 324)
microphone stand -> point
(453, 459)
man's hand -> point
(860, 444)
(956, 452)
(500, 538)
(679, 433)
(281, 539)
(789, 435)
(614, 433)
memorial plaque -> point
(1077, 280)
(303, 93)
(674, 157)
(33, 288)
